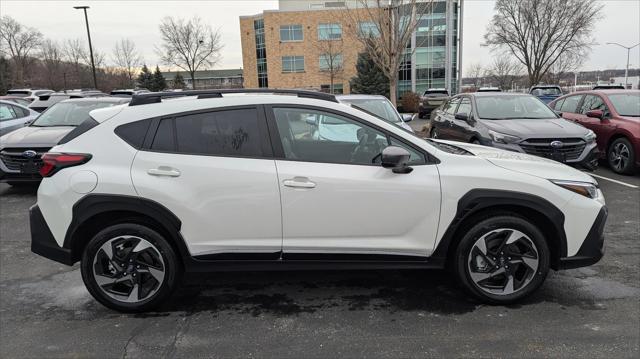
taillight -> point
(54, 162)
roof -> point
(359, 97)
(206, 74)
(496, 93)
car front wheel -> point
(621, 156)
(130, 268)
(502, 259)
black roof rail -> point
(156, 97)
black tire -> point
(421, 115)
(621, 156)
(20, 184)
(171, 266)
(433, 133)
(462, 262)
(475, 141)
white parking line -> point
(615, 181)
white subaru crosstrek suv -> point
(217, 181)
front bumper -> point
(42, 241)
(592, 249)
(585, 158)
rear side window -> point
(227, 133)
(164, 139)
(133, 133)
(570, 104)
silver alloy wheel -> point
(503, 261)
(434, 133)
(128, 269)
(619, 156)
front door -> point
(215, 172)
(336, 198)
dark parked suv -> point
(614, 115)
(516, 122)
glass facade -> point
(261, 53)
(427, 66)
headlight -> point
(590, 137)
(503, 138)
(584, 188)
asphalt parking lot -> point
(45, 310)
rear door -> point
(214, 170)
(569, 107)
(461, 130)
(447, 131)
(338, 202)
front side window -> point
(465, 106)
(450, 107)
(592, 102)
(570, 104)
(291, 33)
(330, 62)
(292, 64)
(329, 32)
(220, 133)
(318, 136)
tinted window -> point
(133, 133)
(465, 106)
(570, 104)
(231, 132)
(164, 139)
(312, 135)
(592, 102)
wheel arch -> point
(95, 212)
(479, 204)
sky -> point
(138, 20)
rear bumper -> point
(42, 241)
(592, 249)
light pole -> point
(626, 70)
(93, 66)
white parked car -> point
(14, 116)
(144, 193)
(28, 94)
(378, 105)
(43, 102)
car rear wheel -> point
(502, 259)
(621, 156)
(130, 268)
(435, 133)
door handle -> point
(164, 171)
(299, 182)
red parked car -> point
(614, 115)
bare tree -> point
(52, 61)
(566, 63)
(475, 71)
(75, 53)
(18, 42)
(394, 22)
(126, 57)
(539, 32)
(330, 59)
(504, 71)
(189, 45)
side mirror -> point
(462, 116)
(396, 158)
(595, 114)
(311, 120)
(407, 117)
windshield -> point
(379, 107)
(546, 91)
(436, 93)
(68, 113)
(627, 104)
(512, 107)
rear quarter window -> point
(133, 133)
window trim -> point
(330, 24)
(282, 70)
(278, 150)
(290, 30)
(266, 146)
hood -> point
(32, 136)
(524, 163)
(529, 128)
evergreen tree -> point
(158, 81)
(145, 78)
(370, 80)
(178, 82)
